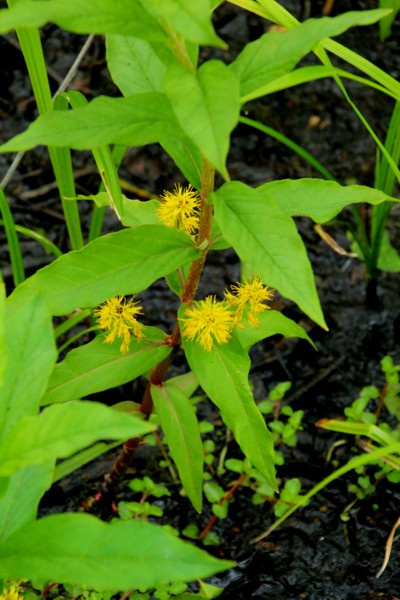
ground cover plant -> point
(191, 110)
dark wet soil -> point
(325, 551)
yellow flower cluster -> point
(248, 300)
(210, 321)
(11, 594)
(180, 208)
(118, 316)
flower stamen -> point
(118, 317)
(180, 208)
(208, 321)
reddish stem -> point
(226, 498)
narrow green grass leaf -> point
(207, 106)
(290, 144)
(125, 262)
(3, 344)
(97, 366)
(264, 236)
(133, 121)
(30, 358)
(61, 430)
(81, 549)
(14, 249)
(223, 375)
(272, 322)
(182, 433)
(320, 200)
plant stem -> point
(189, 289)
(226, 498)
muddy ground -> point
(325, 551)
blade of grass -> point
(71, 322)
(308, 74)
(34, 235)
(17, 264)
(355, 462)
(32, 50)
(290, 144)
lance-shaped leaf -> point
(271, 322)
(19, 503)
(125, 262)
(182, 433)
(318, 199)
(206, 104)
(134, 65)
(3, 345)
(81, 549)
(277, 53)
(223, 375)
(192, 20)
(63, 429)
(97, 16)
(30, 355)
(96, 366)
(135, 212)
(134, 121)
(266, 238)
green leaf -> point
(30, 358)
(134, 213)
(97, 16)
(134, 121)
(63, 429)
(389, 258)
(318, 199)
(125, 262)
(97, 366)
(207, 107)
(267, 238)
(134, 66)
(276, 53)
(223, 375)
(181, 430)
(186, 156)
(19, 503)
(192, 20)
(81, 549)
(3, 345)
(272, 322)
(186, 383)
(385, 25)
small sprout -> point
(206, 427)
(213, 492)
(235, 465)
(220, 510)
(191, 531)
(211, 539)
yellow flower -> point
(248, 300)
(180, 208)
(118, 316)
(208, 321)
(11, 594)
